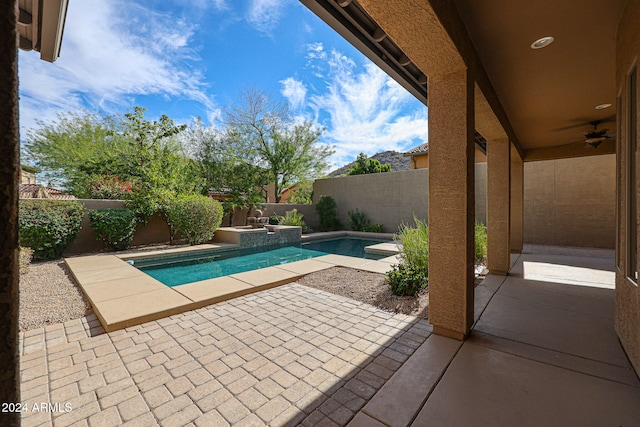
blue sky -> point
(191, 58)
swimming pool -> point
(182, 269)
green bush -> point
(195, 217)
(359, 220)
(415, 245)
(406, 280)
(327, 214)
(375, 228)
(293, 218)
(115, 227)
(48, 226)
(275, 219)
(480, 242)
(25, 258)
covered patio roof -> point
(545, 99)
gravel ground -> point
(48, 295)
(367, 287)
(371, 289)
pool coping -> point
(123, 296)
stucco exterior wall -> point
(391, 198)
(570, 202)
(309, 211)
(627, 316)
(155, 230)
(9, 179)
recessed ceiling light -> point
(543, 42)
(602, 106)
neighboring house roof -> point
(37, 191)
(29, 169)
(481, 143)
(420, 149)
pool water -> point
(183, 269)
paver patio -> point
(542, 352)
(287, 355)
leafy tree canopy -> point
(263, 132)
(364, 165)
(76, 149)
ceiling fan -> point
(596, 136)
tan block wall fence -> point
(568, 202)
(571, 202)
(391, 199)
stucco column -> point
(451, 203)
(498, 205)
(517, 201)
(9, 167)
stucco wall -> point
(627, 317)
(155, 230)
(391, 198)
(9, 167)
(570, 202)
(309, 211)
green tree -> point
(302, 194)
(80, 149)
(364, 165)
(225, 169)
(263, 131)
(74, 147)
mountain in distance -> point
(397, 161)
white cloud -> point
(265, 15)
(219, 4)
(367, 110)
(112, 52)
(295, 91)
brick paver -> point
(291, 355)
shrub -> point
(415, 245)
(359, 220)
(48, 226)
(146, 202)
(293, 218)
(406, 280)
(327, 214)
(115, 227)
(275, 219)
(25, 259)
(195, 217)
(375, 228)
(480, 242)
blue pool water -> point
(182, 269)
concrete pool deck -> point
(123, 296)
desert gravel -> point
(48, 295)
(367, 287)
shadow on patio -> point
(542, 352)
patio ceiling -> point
(545, 99)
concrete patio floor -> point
(542, 352)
